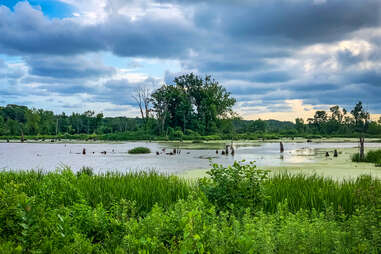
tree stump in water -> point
(227, 149)
(326, 154)
(83, 151)
(335, 153)
(362, 157)
(281, 147)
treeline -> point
(337, 122)
(190, 108)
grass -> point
(139, 150)
(373, 156)
(318, 193)
(148, 212)
(65, 188)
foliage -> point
(139, 150)
(238, 185)
(59, 212)
(85, 170)
(104, 216)
(319, 193)
(178, 118)
(372, 156)
(192, 103)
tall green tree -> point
(361, 116)
(192, 102)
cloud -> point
(78, 67)
(27, 31)
(264, 52)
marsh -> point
(193, 160)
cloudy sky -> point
(280, 58)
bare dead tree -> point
(142, 96)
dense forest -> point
(191, 107)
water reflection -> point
(103, 157)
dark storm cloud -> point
(371, 77)
(272, 77)
(243, 41)
(66, 90)
(120, 91)
(68, 67)
(28, 31)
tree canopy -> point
(193, 103)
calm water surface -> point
(21, 156)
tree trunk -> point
(281, 147)
(362, 149)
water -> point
(46, 156)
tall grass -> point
(319, 193)
(146, 188)
(64, 188)
(60, 212)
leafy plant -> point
(139, 150)
(85, 171)
(235, 186)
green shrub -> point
(147, 212)
(139, 150)
(373, 156)
(237, 186)
(85, 171)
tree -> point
(336, 114)
(258, 126)
(211, 100)
(361, 116)
(142, 98)
(192, 102)
(299, 125)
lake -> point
(50, 156)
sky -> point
(280, 59)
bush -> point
(373, 156)
(139, 150)
(236, 186)
(85, 171)
(153, 213)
